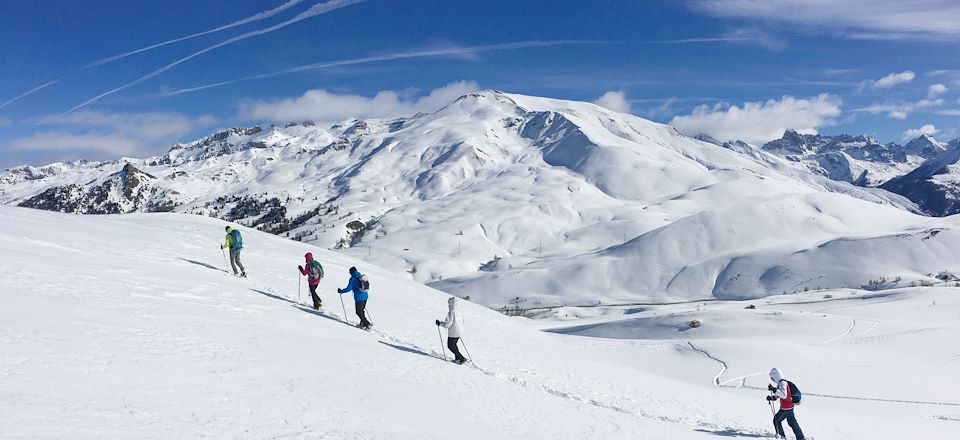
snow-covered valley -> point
(129, 327)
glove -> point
(340, 291)
(771, 398)
(771, 388)
(300, 267)
(438, 323)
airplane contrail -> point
(396, 56)
(314, 10)
(30, 92)
(253, 18)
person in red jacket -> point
(314, 272)
(783, 393)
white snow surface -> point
(129, 327)
(509, 198)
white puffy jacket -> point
(453, 323)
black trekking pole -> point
(299, 283)
(442, 350)
(468, 351)
(345, 319)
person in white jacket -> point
(454, 328)
(784, 394)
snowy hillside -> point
(747, 250)
(491, 186)
(128, 327)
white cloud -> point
(663, 108)
(110, 144)
(914, 133)
(759, 122)
(900, 110)
(950, 112)
(108, 135)
(870, 19)
(326, 107)
(888, 81)
(936, 90)
(138, 125)
(615, 100)
(894, 79)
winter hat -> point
(353, 270)
(452, 301)
(776, 374)
(227, 228)
(308, 256)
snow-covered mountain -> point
(934, 185)
(518, 199)
(860, 160)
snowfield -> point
(129, 327)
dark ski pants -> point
(362, 314)
(313, 294)
(452, 345)
(235, 261)
(787, 414)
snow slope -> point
(128, 327)
(853, 353)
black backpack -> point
(795, 394)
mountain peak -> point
(925, 146)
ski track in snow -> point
(723, 365)
(853, 323)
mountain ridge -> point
(490, 184)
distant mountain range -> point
(863, 161)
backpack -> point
(364, 283)
(795, 394)
(236, 240)
(315, 270)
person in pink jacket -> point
(314, 273)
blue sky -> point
(744, 69)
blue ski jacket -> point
(354, 285)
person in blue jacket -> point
(359, 287)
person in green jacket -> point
(234, 242)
